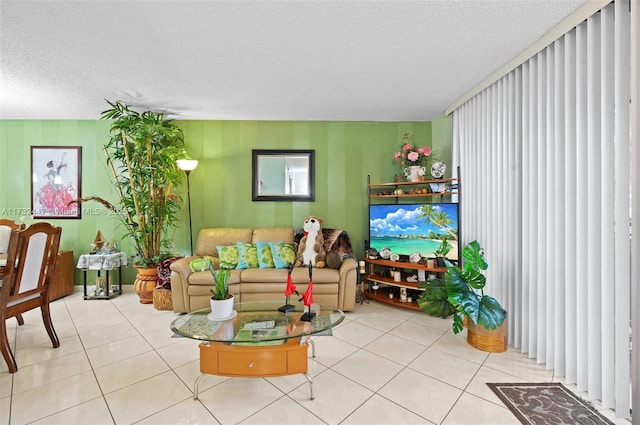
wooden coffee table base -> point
(239, 361)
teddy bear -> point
(311, 247)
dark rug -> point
(547, 403)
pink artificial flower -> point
(406, 147)
(426, 151)
(413, 156)
(397, 156)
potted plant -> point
(221, 299)
(141, 155)
(461, 293)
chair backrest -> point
(6, 226)
(31, 260)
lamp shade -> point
(187, 164)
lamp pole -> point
(188, 165)
(189, 202)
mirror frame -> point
(257, 154)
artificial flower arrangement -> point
(410, 154)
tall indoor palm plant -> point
(141, 156)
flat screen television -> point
(409, 228)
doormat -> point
(547, 403)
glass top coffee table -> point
(258, 340)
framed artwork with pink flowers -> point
(55, 181)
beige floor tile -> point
(5, 409)
(357, 334)
(106, 335)
(330, 351)
(418, 332)
(515, 363)
(117, 351)
(182, 352)
(473, 410)
(380, 411)
(415, 363)
(336, 397)
(50, 371)
(189, 372)
(187, 412)
(129, 371)
(236, 399)
(368, 369)
(283, 411)
(445, 367)
(426, 396)
(396, 349)
(457, 345)
(146, 398)
(163, 337)
(53, 397)
(382, 319)
(94, 412)
(44, 351)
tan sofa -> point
(190, 290)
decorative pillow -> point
(200, 264)
(283, 254)
(265, 257)
(228, 256)
(247, 256)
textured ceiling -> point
(259, 60)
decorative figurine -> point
(290, 289)
(307, 298)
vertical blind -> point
(544, 155)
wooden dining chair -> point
(31, 260)
(6, 226)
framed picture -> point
(55, 181)
(283, 175)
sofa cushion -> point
(210, 239)
(265, 256)
(273, 234)
(283, 254)
(247, 256)
(228, 256)
(299, 275)
(206, 279)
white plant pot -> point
(221, 309)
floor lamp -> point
(188, 165)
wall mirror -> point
(283, 175)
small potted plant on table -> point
(221, 299)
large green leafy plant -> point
(141, 156)
(461, 293)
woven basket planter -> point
(162, 299)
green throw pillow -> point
(265, 257)
(247, 256)
(228, 256)
(283, 254)
(200, 264)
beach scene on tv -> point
(425, 228)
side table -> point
(98, 263)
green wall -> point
(221, 184)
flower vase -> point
(414, 173)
